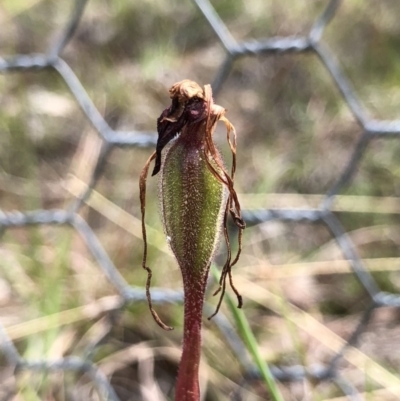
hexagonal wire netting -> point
(110, 138)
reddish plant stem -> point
(187, 386)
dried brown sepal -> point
(232, 207)
(142, 187)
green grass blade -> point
(251, 344)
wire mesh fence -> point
(372, 129)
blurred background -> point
(295, 136)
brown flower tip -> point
(185, 90)
(188, 105)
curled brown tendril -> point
(192, 104)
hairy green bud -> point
(192, 202)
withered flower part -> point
(172, 120)
(197, 196)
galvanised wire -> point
(372, 129)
